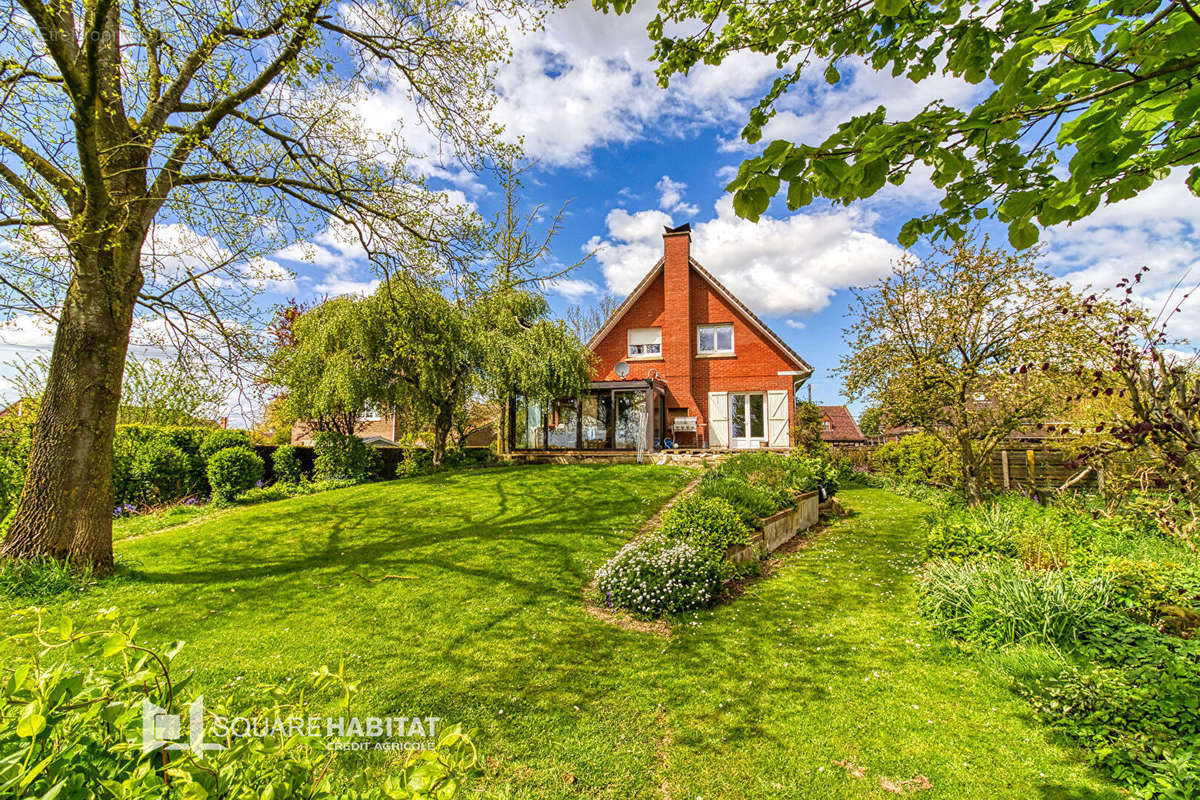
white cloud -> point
(173, 252)
(573, 289)
(27, 332)
(776, 266)
(795, 323)
(812, 109)
(585, 81)
(670, 197)
(1160, 229)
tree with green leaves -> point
(436, 346)
(331, 367)
(152, 151)
(806, 433)
(1082, 102)
(970, 346)
(870, 422)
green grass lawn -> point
(824, 661)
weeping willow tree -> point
(434, 345)
(152, 152)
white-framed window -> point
(645, 342)
(714, 339)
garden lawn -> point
(825, 661)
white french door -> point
(747, 419)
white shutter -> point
(777, 419)
(718, 419)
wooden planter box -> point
(777, 529)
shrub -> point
(816, 475)
(416, 461)
(956, 533)
(768, 470)
(656, 576)
(159, 472)
(709, 523)
(998, 602)
(15, 437)
(233, 470)
(286, 464)
(917, 458)
(344, 458)
(222, 439)
(69, 732)
(41, 578)
(751, 502)
(1134, 710)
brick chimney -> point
(677, 315)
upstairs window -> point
(645, 342)
(714, 339)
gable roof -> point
(842, 427)
(804, 367)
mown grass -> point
(824, 661)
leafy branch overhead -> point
(1081, 102)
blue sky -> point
(631, 157)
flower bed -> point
(742, 510)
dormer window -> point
(714, 339)
(645, 342)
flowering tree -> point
(969, 345)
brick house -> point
(838, 426)
(378, 428)
(681, 362)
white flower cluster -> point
(654, 576)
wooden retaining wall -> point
(778, 528)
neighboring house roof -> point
(803, 366)
(842, 427)
(378, 441)
(14, 408)
(901, 430)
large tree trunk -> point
(442, 422)
(65, 508)
(971, 473)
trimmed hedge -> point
(339, 457)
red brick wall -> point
(754, 366)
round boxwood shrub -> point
(161, 471)
(340, 457)
(656, 576)
(233, 470)
(709, 523)
(286, 464)
(221, 439)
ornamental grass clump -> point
(999, 601)
(656, 576)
